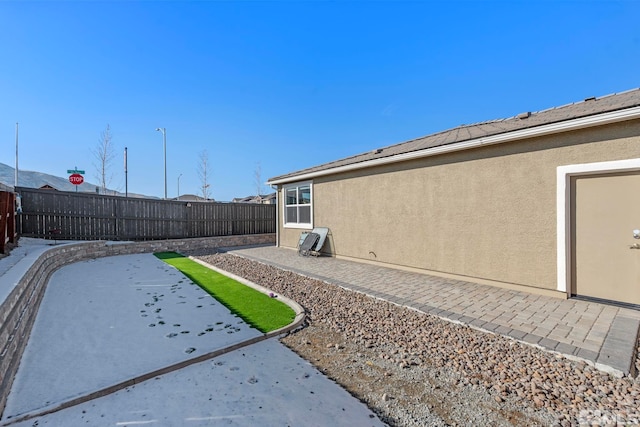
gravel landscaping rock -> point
(415, 369)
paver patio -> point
(603, 334)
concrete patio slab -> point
(107, 320)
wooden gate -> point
(7, 219)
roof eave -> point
(548, 129)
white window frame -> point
(285, 222)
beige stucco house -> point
(545, 202)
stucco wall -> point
(487, 213)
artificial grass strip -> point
(255, 308)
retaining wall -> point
(18, 311)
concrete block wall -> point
(18, 311)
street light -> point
(179, 186)
(164, 141)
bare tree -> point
(104, 154)
(257, 179)
(203, 173)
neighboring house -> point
(248, 199)
(47, 187)
(192, 198)
(267, 199)
(544, 202)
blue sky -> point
(286, 84)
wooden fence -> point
(7, 219)
(80, 216)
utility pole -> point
(15, 182)
(164, 144)
(126, 181)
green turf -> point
(257, 309)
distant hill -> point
(32, 179)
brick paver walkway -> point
(603, 334)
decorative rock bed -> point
(415, 369)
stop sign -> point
(76, 179)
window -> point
(297, 205)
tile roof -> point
(588, 107)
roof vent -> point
(593, 98)
(523, 116)
(377, 151)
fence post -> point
(11, 205)
(3, 220)
(116, 208)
